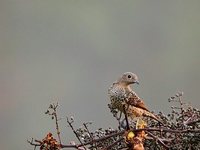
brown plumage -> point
(120, 94)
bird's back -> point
(135, 100)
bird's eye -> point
(129, 76)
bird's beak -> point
(137, 82)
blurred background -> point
(71, 51)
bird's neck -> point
(125, 85)
(128, 87)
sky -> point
(71, 51)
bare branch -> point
(71, 126)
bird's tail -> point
(133, 112)
(151, 115)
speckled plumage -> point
(118, 96)
(120, 93)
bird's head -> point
(128, 78)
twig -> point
(52, 111)
(167, 130)
(192, 122)
(114, 134)
(114, 143)
(34, 144)
(56, 118)
(127, 123)
(70, 124)
(158, 139)
(96, 140)
(134, 130)
(181, 103)
(91, 137)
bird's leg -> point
(120, 115)
(118, 119)
(126, 117)
(127, 102)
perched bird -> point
(121, 95)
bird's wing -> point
(134, 100)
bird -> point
(122, 95)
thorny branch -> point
(157, 139)
(71, 126)
(114, 143)
(183, 131)
(38, 143)
(54, 116)
(91, 136)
